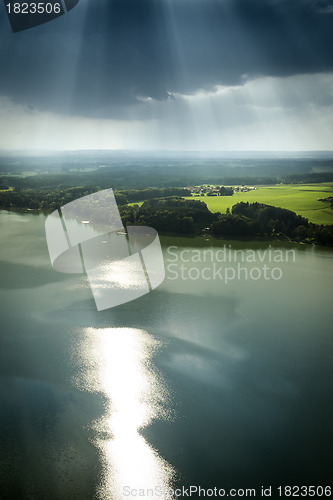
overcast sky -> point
(171, 74)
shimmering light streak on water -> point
(123, 274)
(117, 363)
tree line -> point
(47, 200)
(261, 220)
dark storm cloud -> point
(98, 59)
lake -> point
(219, 378)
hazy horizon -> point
(171, 152)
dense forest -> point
(174, 215)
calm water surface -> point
(197, 383)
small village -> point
(210, 190)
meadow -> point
(300, 198)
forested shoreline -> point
(250, 220)
(167, 211)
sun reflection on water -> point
(117, 363)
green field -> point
(300, 198)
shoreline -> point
(206, 238)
